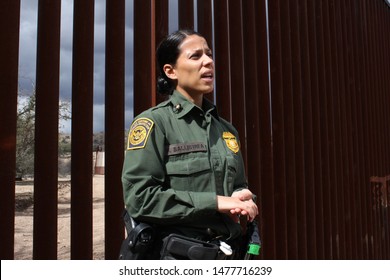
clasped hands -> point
(239, 204)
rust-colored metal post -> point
(361, 115)
(325, 228)
(222, 59)
(114, 125)
(367, 126)
(256, 89)
(355, 155)
(150, 27)
(46, 130)
(297, 103)
(236, 54)
(297, 74)
(186, 14)
(205, 20)
(307, 130)
(346, 131)
(278, 128)
(144, 60)
(252, 93)
(329, 66)
(205, 27)
(161, 25)
(9, 59)
(267, 193)
(82, 130)
(289, 131)
(380, 117)
(314, 79)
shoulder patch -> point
(231, 142)
(139, 133)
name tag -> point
(183, 148)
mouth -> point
(209, 76)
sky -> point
(27, 55)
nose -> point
(207, 60)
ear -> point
(170, 71)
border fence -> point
(306, 83)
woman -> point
(183, 171)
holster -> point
(178, 247)
(139, 240)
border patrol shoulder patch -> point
(139, 133)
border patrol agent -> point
(181, 158)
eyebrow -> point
(201, 49)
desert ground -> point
(24, 219)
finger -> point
(243, 195)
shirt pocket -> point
(189, 172)
(231, 173)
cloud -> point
(66, 49)
(27, 45)
(66, 25)
(98, 117)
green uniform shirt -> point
(179, 158)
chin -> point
(208, 90)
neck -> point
(197, 99)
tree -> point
(25, 138)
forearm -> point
(156, 204)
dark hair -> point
(167, 53)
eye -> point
(208, 52)
(198, 54)
(195, 55)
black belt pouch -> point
(179, 247)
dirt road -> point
(24, 219)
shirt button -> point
(177, 108)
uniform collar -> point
(182, 106)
